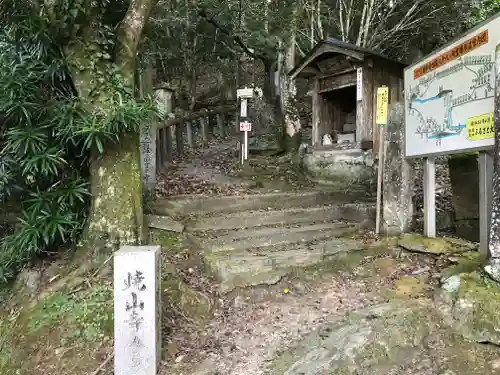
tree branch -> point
(236, 39)
(129, 35)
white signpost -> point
(245, 126)
(137, 309)
(449, 105)
(359, 84)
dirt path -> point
(252, 328)
(216, 170)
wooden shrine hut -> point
(345, 79)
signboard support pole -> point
(380, 173)
(429, 197)
(381, 121)
(485, 198)
(246, 145)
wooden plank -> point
(316, 113)
(335, 65)
(364, 108)
(195, 115)
(335, 82)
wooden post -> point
(204, 130)
(168, 144)
(380, 172)
(316, 111)
(160, 152)
(220, 124)
(179, 137)
(189, 133)
(381, 121)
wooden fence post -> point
(179, 137)
(220, 124)
(204, 130)
(168, 145)
(160, 152)
(189, 133)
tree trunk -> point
(116, 216)
(291, 132)
(493, 263)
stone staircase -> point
(257, 239)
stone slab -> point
(348, 212)
(164, 223)
(269, 237)
(244, 269)
(137, 310)
(203, 205)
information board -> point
(449, 95)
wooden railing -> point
(175, 134)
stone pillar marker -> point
(137, 310)
(398, 176)
(148, 134)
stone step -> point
(203, 205)
(352, 212)
(244, 269)
(275, 237)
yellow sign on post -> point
(382, 105)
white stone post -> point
(137, 310)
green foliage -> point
(48, 133)
(87, 316)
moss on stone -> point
(470, 303)
(436, 246)
(176, 293)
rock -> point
(393, 338)
(28, 282)
(435, 246)
(164, 223)
(470, 304)
(344, 169)
(194, 304)
(263, 144)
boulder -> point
(393, 338)
(435, 246)
(344, 169)
(470, 304)
(179, 296)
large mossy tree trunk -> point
(116, 213)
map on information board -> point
(449, 96)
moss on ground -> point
(63, 333)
